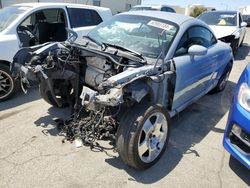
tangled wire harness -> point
(90, 127)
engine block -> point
(95, 71)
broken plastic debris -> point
(78, 142)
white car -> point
(227, 26)
(29, 24)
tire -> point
(221, 85)
(47, 96)
(235, 49)
(242, 41)
(135, 141)
(8, 85)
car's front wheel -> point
(241, 44)
(143, 135)
(7, 83)
(61, 96)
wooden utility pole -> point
(0, 4)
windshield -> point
(219, 18)
(145, 35)
(9, 14)
(142, 8)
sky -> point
(218, 4)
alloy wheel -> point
(6, 84)
(152, 137)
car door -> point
(193, 73)
(83, 20)
(44, 25)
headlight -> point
(236, 34)
(244, 97)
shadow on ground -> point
(240, 170)
(53, 113)
(188, 129)
(242, 52)
(20, 98)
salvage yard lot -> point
(32, 154)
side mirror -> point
(197, 50)
(243, 24)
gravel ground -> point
(32, 154)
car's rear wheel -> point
(143, 135)
(7, 83)
(221, 85)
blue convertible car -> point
(132, 74)
(237, 134)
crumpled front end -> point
(99, 85)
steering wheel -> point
(32, 37)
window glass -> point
(144, 35)
(27, 22)
(195, 36)
(43, 26)
(213, 39)
(167, 9)
(199, 36)
(48, 16)
(9, 14)
(219, 18)
(182, 48)
(83, 17)
(51, 15)
(142, 8)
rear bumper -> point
(237, 143)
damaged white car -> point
(228, 26)
(127, 78)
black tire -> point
(242, 41)
(235, 49)
(130, 134)
(47, 96)
(8, 86)
(222, 83)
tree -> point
(197, 11)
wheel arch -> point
(139, 90)
(7, 63)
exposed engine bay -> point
(99, 84)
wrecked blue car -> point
(237, 134)
(127, 78)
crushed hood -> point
(223, 31)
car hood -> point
(223, 31)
